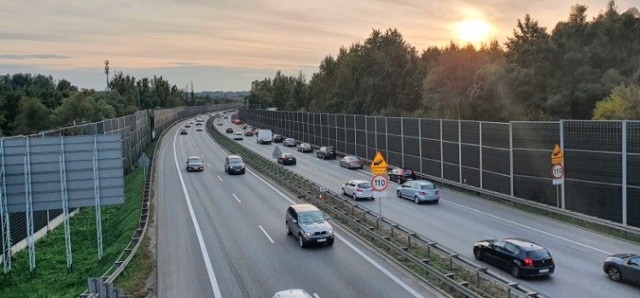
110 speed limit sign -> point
(379, 182)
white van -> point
(264, 136)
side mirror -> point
(326, 217)
(294, 221)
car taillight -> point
(437, 192)
(528, 262)
(358, 190)
(422, 193)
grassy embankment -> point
(52, 279)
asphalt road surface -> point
(224, 236)
(460, 219)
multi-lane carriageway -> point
(225, 234)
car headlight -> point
(307, 234)
(330, 232)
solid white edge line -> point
(203, 247)
(530, 228)
(265, 233)
(236, 197)
(219, 178)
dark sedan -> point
(521, 257)
(621, 267)
(287, 159)
(183, 131)
(195, 163)
(277, 138)
(229, 130)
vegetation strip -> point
(52, 279)
(423, 257)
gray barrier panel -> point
(45, 171)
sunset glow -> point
(473, 30)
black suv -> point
(326, 152)
(233, 164)
(277, 138)
(521, 257)
(309, 225)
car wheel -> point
(515, 271)
(344, 192)
(288, 230)
(301, 241)
(614, 273)
(478, 254)
(415, 200)
(294, 163)
(398, 194)
(330, 243)
(355, 198)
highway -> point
(460, 219)
(224, 236)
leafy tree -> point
(33, 116)
(622, 103)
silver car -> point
(351, 162)
(289, 142)
(309, 225)
(358, 189)
(305, 147)
(621, 267)
(419, 191)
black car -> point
(233, 164)
(183, 131)
(521, 257)
(229, 130)
(287, 159)
(277, 138)
(248, 133)
(402, 175)
(326, 152)
(621, 267)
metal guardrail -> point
(442, 266)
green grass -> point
(52, 279)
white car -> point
(238, 135)
(358, 189)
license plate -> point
(322, 240)
(543, 270)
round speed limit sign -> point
(557, 171)
(379, 182)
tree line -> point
(582, 69)
(31, 103)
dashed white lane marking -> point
(236, 197)
(316, 295)
(265, 233)
(208, 165)
(408, 206)
(219, 177)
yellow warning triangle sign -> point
(378, 164)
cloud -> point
(32, 56)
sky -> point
(224, 45)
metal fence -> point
(602, 158)
(136, 133)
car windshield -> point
(194, 160)
(235, 161)
(539, 254)
(287, 155)
(427, 186)
(311, 216)
(352, 158)
(364, 185)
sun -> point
(473, 31)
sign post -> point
(379, 182)
(557, 170)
